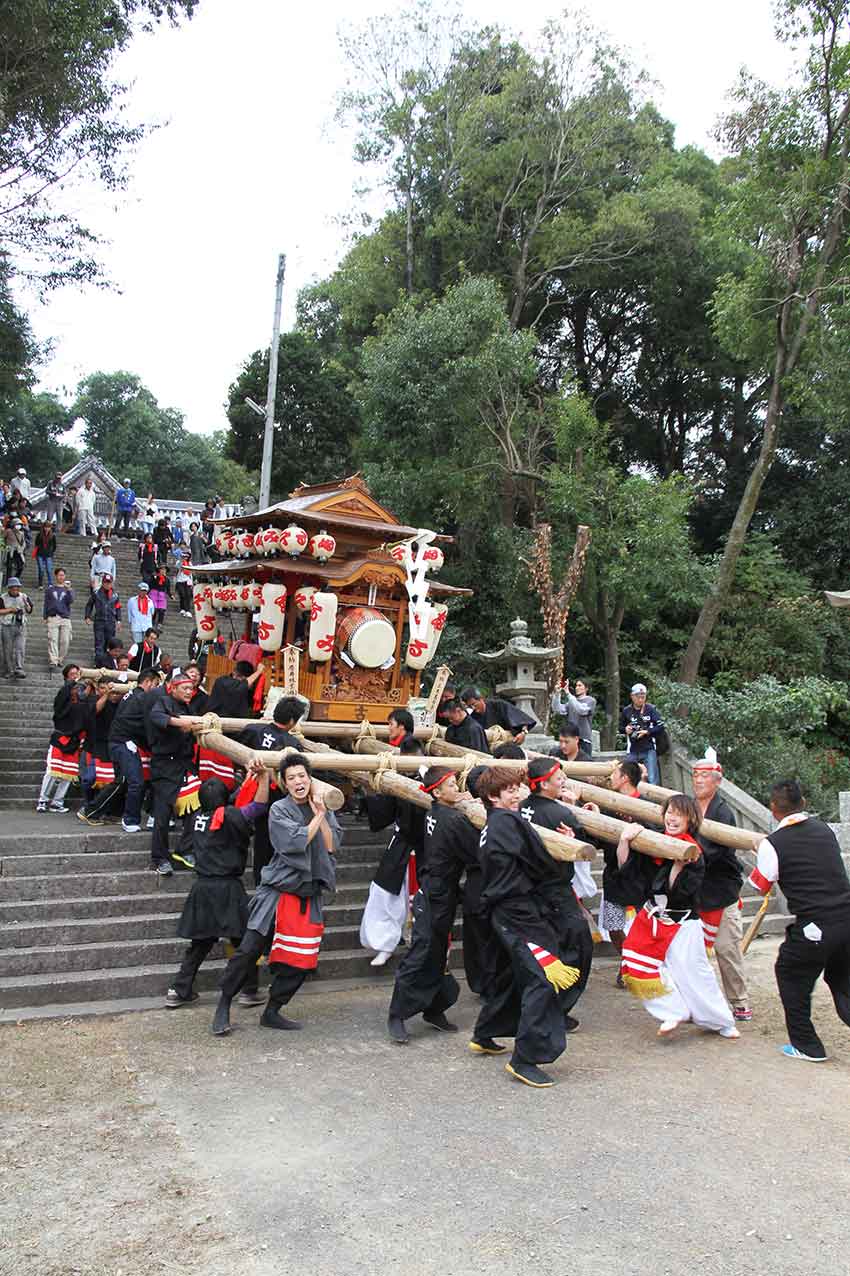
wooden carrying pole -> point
(650, 812)
(590, 770)
(128, 675)
(755, 924)
(242, 756)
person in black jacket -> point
(463, 729)
(626, 883)
(127, 741)
(217, 903)
(544, 808)
(665, 962)
(525, 901)
(722, 886)
(70, 713)
(390, 892)
(803, 856)
(422, 984)
(103, 609)
(232, 695)
(170, 723)
(494, 712)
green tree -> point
(316, 416)
(640, 565)
(31, 429)
(788, 202)
(61, 117)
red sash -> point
(104, 773)
(62, 765)
(710, 919)
(215, 766)
(644, 950)
(187, 798)
(297, 940)
(145, 759)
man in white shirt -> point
(20, 483)
(86, 496)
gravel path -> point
(140, 1146)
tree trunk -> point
(408, 243)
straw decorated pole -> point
(333, 798)
(650, 813)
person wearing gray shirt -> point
(578, 708)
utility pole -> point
(268, 437)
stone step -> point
(47, 835)
(353, 884)
(152, 981)
(66, 932)
(119, 861)
(33, 912)
(143, 951)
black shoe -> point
(271, 1018)
(173, 1000)
(571, 1024)
(620, 981)
(486, 1045)
(439, 1021)
(528, 1073)
(252, 998)
(398, 1032)
(221, 1022)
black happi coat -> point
(231, 697)
(684, 895)
(408, 823)
(468, 735)
(524, 911)
(723, 872)
(451, 848)
(217, 903)
(504, 714)
(630, 884)
(70, 717)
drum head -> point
(372, 644)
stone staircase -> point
(26, 718)
(83, 919)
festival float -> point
(347, 609)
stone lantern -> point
(524, 683)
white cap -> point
(638, 689)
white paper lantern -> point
(322, 546)
(433, 557)
(401, 554)
(421, 651)
(293, 540)
(303, 597)
(256, 596)
(246, 544)
(204, 611)
(219, 541)
(244, 596)
(322, 626)
(272, 616)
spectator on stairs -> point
(102, 564)
(140, 612)
(197, 544)
(55, 500)
(63, 753)
(58, 598)
(15, 606)
(20, 483)
(150, 513)
(103, 610)
(160, 594)
(69, 511)
(16, 548)
(44, 552)
(578, 708)
(183, 581)
(148, 558)
(85, 502)
(163, 539)
(125, 505)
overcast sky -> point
(249, 164)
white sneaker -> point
(150, 822)
(41, 806)
(131, 828)
(729, 1033)
(380, 959)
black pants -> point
(103, 634)
(165, 789)
(800, 963)
(107, 800)
(285, 981)
(196, 954)
(476, 938)
(422, 982)
(184, 595)
(521, 1003)
(124, 516)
